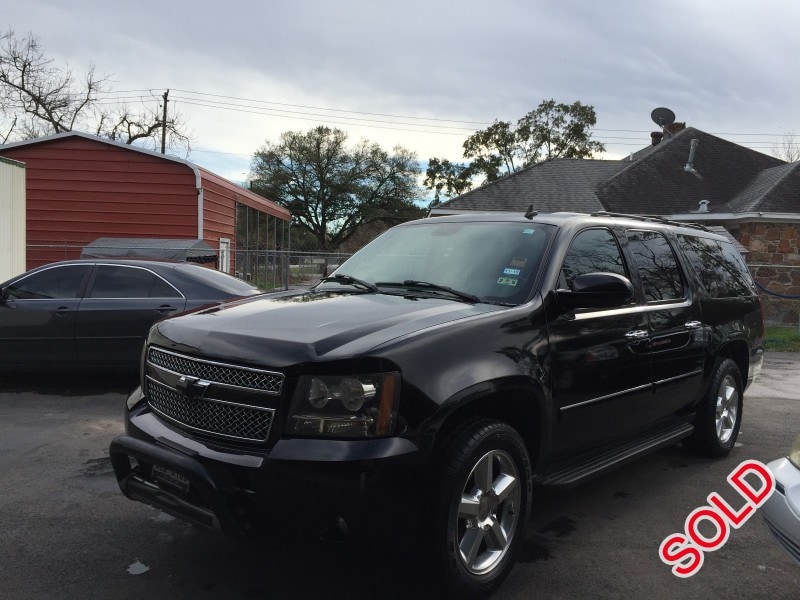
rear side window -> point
(129, 282)
(718, 265)
(592, 251)
(657, 265)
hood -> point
(308, 327)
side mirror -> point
(596, 290)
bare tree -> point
(38, 97)
(788, 149)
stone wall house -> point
(774, 260)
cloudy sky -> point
(424, 74)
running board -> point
(616, 457)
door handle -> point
(61, 311)
(692, 324)
(639, 334)
(166, 308)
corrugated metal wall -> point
(12, 219)
(80, 189)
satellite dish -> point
(662, 116)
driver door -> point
(38, 314)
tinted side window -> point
(57, 282)
(592, 251)
(657, 265)
(161, 289)
(718, 265)
(124, 282)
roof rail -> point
(651, 219)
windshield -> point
(497, 262)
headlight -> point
(354, 406)
(794, 455)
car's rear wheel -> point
(481, 502)
(719, 415)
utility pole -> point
(164, 124)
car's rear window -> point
(218, 280)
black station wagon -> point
(441, 375)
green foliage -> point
(332, 190)
(782, 339)
(494, 148)
(552, 130)
(453, 178)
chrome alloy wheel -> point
(727, 409)
(488, 512)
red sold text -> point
(685, 551)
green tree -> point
(551, 130)
(332, 190)
(494, 149)
(557, 131)
(38, 97)
(443, 175)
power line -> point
(231, 106)
(324, 120)
(333, 109)
(154, 94)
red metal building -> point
(81, 187)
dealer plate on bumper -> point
(171, 478)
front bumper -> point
(782, 510)
(368, 488)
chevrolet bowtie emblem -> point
(192, 386)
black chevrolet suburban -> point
(441, 375)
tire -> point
(480, 506)
(719, 414)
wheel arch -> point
(521, 404)
(739, 352)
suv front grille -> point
(231, 375)
(216, 417)
(189, 392)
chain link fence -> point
(285, 269)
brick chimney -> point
(656, 137)
(673, 128)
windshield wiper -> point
(348, 280)
(435, 287)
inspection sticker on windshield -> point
(512, 271)
(519, 261)
(507, 281)
(528, 231)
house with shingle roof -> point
(689, 175)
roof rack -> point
(651, 219)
